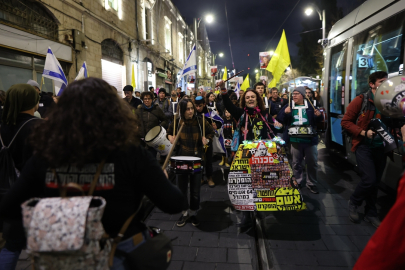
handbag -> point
(149, 250)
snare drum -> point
(301, 132)
(185, 165)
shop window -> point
(113, 4)
(29, 15)
(379, 48)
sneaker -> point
(353, 215)
(182, 221)
(194, 221)
(313, 189)
(373, 220)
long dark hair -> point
(183, 107)
(207, 97)
(89, 121)
(260, 102)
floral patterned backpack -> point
(66, 232)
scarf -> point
(19, 98)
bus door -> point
(336, 87)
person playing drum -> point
(299, 119)
(190, 143)
(252, 115)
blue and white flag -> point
(221, 147)
(53, 71)
(82, 72)
(237, 89)
(190, 67)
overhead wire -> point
(282, 23)
(229, 36)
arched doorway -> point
(112, 64)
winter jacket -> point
(262, 129)
(166, 107)
(190, 141)
(150, 118)
(278, 104)
(352, 113)
(287, 119)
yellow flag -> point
(280, 60)
(225, 76)
(246, 84)
(133, 77)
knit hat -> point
(20, 97)
(199, 100)
(301, 90)
(34, 84)
(162, 90)
(128, 88)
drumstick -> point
(174, 126)
(171, 150)
(203, 124)
(231, 77)
(311, 104)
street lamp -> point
(271, 53)
(309, 11)
(256, 70)
(220, 54)
(209, 18)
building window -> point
(113, 4)
(31, 16)
(147, 22)
(181, 48)
(168, 35)
(111, 51)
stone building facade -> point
(114, 37)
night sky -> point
(252, 24)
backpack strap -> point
(363, 106)
(120, 235)
(1, 140)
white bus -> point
(369, 39)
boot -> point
(222, 162)
(226, 163)
(210, 182)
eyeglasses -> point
(147, 99)
(296, 94)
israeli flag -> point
(190, 66)
(237, 89)
(82, 72)
(53, 71)
(216, 118)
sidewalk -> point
(321, 237)
(216, 243)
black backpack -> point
(8, 171)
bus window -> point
(379, 48)
(337, 77)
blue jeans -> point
(9, 258)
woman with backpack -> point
(254, 124)
(92, 128)
(21, 102)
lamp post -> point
(213, 60)
(309, 11)
(208, 19)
